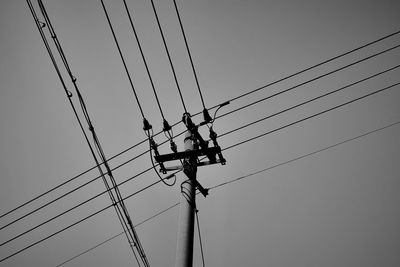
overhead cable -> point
(39, 25)
(227, 148)
(169, 56)
(312, 116)
(143, 57)
(75, 223)
(205, 112)
(241, 178)
(121, 210)
(122, 58)
(235, 110)
(311, 100)
(311, 80)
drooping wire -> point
(40, 25)
(122, 58)
(241, 178)
(168, 54)
(155, 169)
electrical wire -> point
(168, 54)
(143, 57)
(159, 176)
(75, 223)
(200, 240)
(318, 64)
(229, 147)
(312, 80)
(122, 58)
(311, 116)
(305, 155)
(120, 209)
(117, 235)
(71, 209)
(242, 142)
(257, 121)
(245, 177)
(190, 55)
(39, 25)
(293, 123)
(226, 133)
(311, 100)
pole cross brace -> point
(187, 154)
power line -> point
(190, 55)
(122, 58)
(229, 147)
(75, 223)
(275, 130)
(311, 100)
(312, 116)
(143, 57)
(71, 191)
(168, 54)
(200, 241)
(245, 177)
(318, 64)
(119, 234)
(73, 208)
(118, 204)
(226, 133)
(312, 80)
(305, 155)
(40, 25)
(244, 126)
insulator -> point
(146, 125)
(173, 146)
(153, 145)
(213, 135)
(187, 121)
(206, 116)
(166, 125)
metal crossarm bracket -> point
(186, 154)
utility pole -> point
(184, 253)
(194, 147)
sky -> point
(338, 207)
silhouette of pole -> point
(184, 253)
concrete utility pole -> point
(184, 253)
(194, 146)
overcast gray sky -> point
(335, 208)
